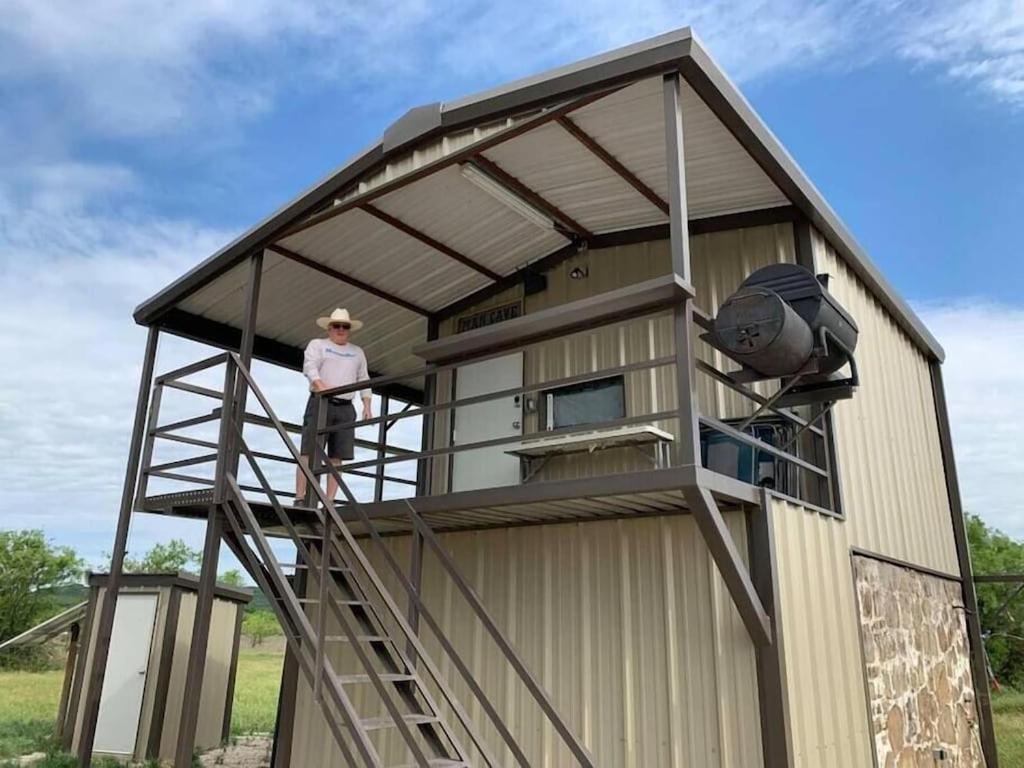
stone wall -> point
(917, 665)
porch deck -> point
(634, 494)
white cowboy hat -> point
(339, 316)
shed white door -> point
(487, 467)
(125, 679)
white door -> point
(125, 679)
(502, 417)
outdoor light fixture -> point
(578, 273)
(506, 197)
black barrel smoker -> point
(782, 322)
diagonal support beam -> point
(513, 184)
(355, 282)
(727, 557)
(426, 239)
(612, 162)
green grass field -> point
(28, 702)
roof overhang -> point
(365, 183)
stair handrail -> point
(542, 698)
(306, 556)
(365, 565)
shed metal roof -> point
(412, 176)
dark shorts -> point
(341, 442)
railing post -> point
(382, 439)
(148, 445)
(320, 423)
(105, 624)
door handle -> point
(516, 425)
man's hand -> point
(367, 410)
(318, 385)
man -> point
(329, 363)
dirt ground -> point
(244, 752)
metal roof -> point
(48, 629)
(412, 176)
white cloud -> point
(984, 378)
(980, 43)
(70, 276)
(156, 68)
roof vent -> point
(412, 125)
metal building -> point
(145, 683)
(614, 544)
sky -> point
(137, 138)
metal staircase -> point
(337, 610)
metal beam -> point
(455, 158)
(999, 578)
(772, 679)
(101, 647)
(202, 329)
(676, 164)
(355, 282)
(612, 162)
(979, 668)
(730, 565)
(426, 239)
(506, 179)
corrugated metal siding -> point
(720, 262)
(626, 623)
(889, 454)
(215, 676)
(827, 699)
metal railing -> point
(339, 547)
(170, 432)
(802, 451)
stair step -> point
(437, 762)
(314, 601)
(377, 723)
(303, 566)
(387, 677)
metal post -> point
(679, 240)
(425, 467)
(773, 696)
(232, 414)
(416, 579)
(245, 352)
(679, 236)
(106, 617)
(979, 667)
(65, 689)
(382, 439)
(200, 635)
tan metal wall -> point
(893, 481)
(215, 677)
(827, 698)
(720, 261)
(628, 625)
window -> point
(593, 402)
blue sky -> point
(135, 141)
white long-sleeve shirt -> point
(336, 365)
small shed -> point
(144, 687)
